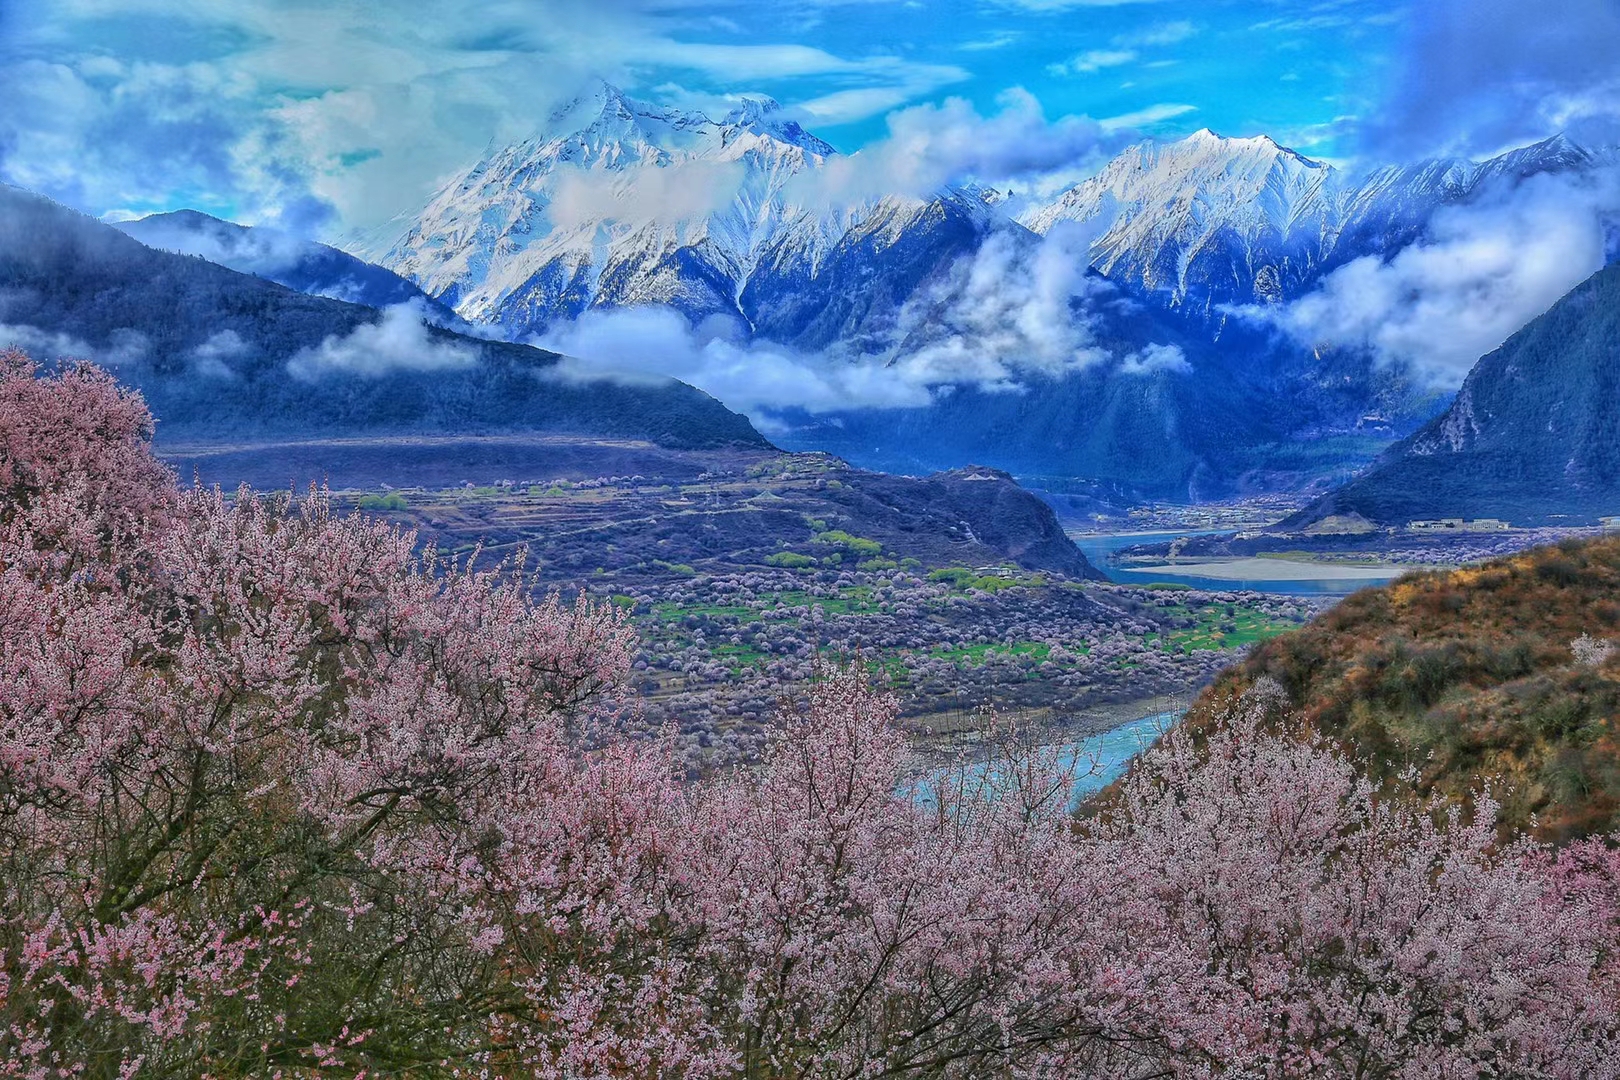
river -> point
(1113, 750)
(1098, 546)
(1099, 759)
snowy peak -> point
(1202, 212)
(1208, 219)
(1204, 170)
(1206, 142)
(605, 126)
(617, 201)
(765, 116)
(1549, 155)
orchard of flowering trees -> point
(282, 795)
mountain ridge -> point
(225, 355)
(1533, 433)
(303, 265)
(1193, 224)
(1210, 220)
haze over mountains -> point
(221, 354)
(1198, 319)
(1180, 299)
(616, 203)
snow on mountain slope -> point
(618, 203)
(615, 203)
(1203, 214)
(1211, 220)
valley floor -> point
(747, 574)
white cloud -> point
(1007, 309)
(1093, 61)
(1053, 6)
(124, 346)
(212, 357)
(998, 40)
(1478, 76)
(755, 378)
(1155, 358)
(399, 341)
(928, 146)
(347, 108)
(849, 106)
(1153, 114)
(1484, 269)
(1158, 35)
(264, 250)
(1016, 308)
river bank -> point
(1247, 569)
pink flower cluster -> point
(281, 795)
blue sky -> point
(325, 116)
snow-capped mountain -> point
(1204, 216)
(618, 202)
(615, 203)
(1211, 220)
(1126, 344)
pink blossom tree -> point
(281, 794)
(266, 776)
(1276, 917)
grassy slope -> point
(1469, 674)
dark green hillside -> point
(298, 264)
(1472, 674)
(1533, 435)
(216, 352)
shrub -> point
(855, 544)
(392, 501)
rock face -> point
(223, 356)
(1533, 435)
